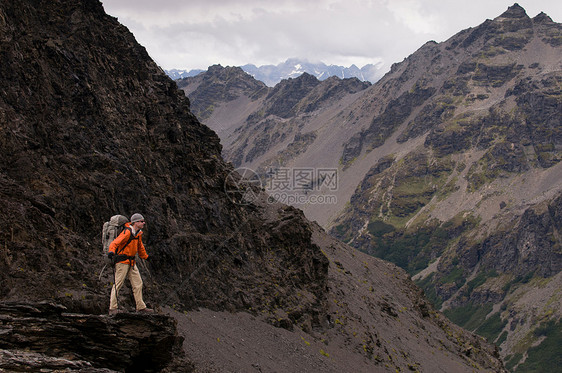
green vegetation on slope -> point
(546, 357)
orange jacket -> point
(135, 245)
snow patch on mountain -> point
(293, 68)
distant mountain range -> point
(180, 74)
(294, 67)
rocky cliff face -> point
(85, 139)
(218, 86)
(449, 166)
(259, 126)
(473, 209)
(92, 127)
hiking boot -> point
(114, 312)
(146, 310)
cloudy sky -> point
(194, 34)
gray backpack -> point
(112, 229)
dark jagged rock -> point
(430, 116)
(525, 248)
(383, 126)
(39, 336)
(220, 85)
(330, 90)
(68, 168)
(284, 97)
(24, 361)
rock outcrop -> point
(44, 337)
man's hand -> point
(110, 255)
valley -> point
(448, 166)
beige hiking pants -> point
(121, 271)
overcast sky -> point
(195, 34)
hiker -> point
(122, 251)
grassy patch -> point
(492, 327)
(502, 338)
(455, 276)
(448, 189)
(342, 231)
(413, 249)
(512, 361)
(480, 279)
(545, 357)
(521, 279)
(379, 228)
(429, 289)
(470, 316)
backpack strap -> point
(131, 237)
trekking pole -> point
(143, 264)
(144, 267)
(101, 272)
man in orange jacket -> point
(123, 250)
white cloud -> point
(412, 14)
(200, 33)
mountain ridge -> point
(292, 68)
(441, 164)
